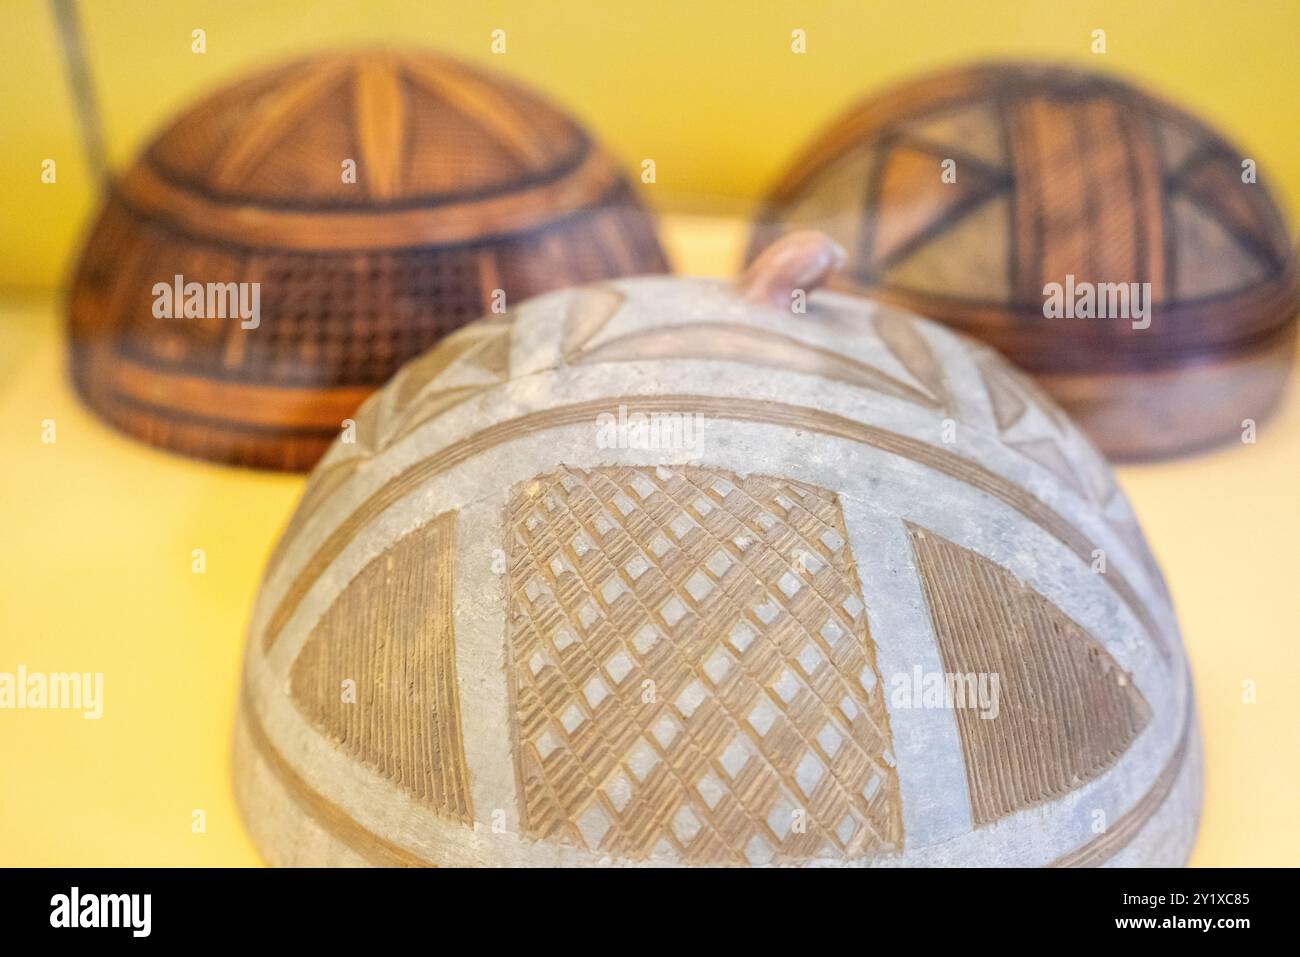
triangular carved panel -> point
(390, 632)
(1066, 711)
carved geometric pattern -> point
(465, 186)
(468, 362)
(1067, 711)
(691, 670)
(741, 343)
(592, 309)
(1121, 830)
(423, 128)
(1011, 395)
(1058, 173)
(973, 129)
(323, 483)
(390, 631)
(903, 338)
(745, 410)
(910, 209)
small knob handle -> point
(801, 260)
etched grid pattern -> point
(691, 670)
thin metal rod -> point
(82, 85)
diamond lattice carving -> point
(691, 670)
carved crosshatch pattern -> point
(691, 669)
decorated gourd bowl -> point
(670, 571)
(1114, 246)
(283, 247)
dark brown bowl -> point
(468, 193)
(1059, 173)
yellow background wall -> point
(707, 88)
